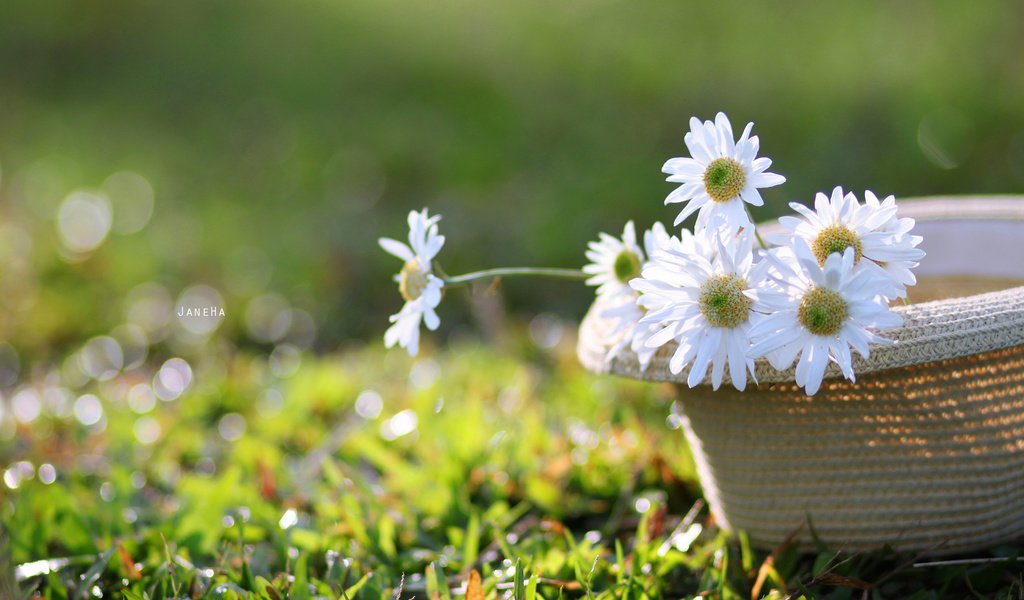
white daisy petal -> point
(432, 247)
(750, 149)
(661, 338)
(718, 362)
(680, 358)
(396, 248)
(391, 335)
(816, 366)
(809, 214)
(745, 135)
(737, 362)
(758, 165)
(689, 209)
(804, 362)
(727, 144)
(783, 357)
(767, 180)
(841, 354)
(683, 166)
(751, 196)
(698, 149)
(430, 319)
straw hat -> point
(924, 452)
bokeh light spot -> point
(946, 137)
(285, 360)
(231, 427)
(369, 404)
(268, 318)
(131, 198)
(83, 221)
(546, 330)
(88, 409)
(401, 424)
(150, 307)
(289, 519)
(47, 473)
(141, 398)
(134, 345)
(101, 358)
(147, 430)
(172, 379)
(25, 405)
(424, 373)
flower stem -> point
(757, 234)
(513, 271)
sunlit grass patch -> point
(366, 475)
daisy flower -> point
(899, 271)
(818, 311)
(613, 262)
(872, 230)
(625, 314)
(722, 174)
(700, 299)
(417, 283)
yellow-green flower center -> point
(626, 266)
(723, 179)
(823, 311)
(413, 280)
(722, 301)
(836, 238)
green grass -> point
(543, 478)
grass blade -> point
(94, 573)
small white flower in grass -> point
(819, 312)
(722, 174)
(700, 298)
(417, 283)
(613, 262)
(880, 240)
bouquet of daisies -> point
(719, 293)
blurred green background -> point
(279, 140)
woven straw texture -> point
(924, 452)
